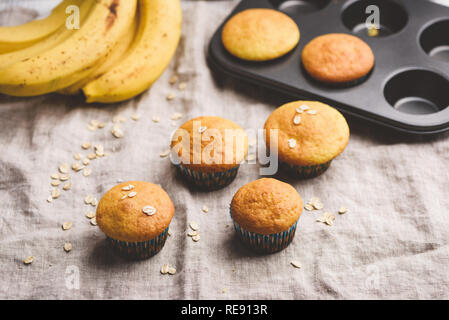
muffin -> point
(265, 213)
(135, 216)
(337, 58)
(260, 34)
(310, 135)
(208, 151)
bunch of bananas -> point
(119, 50)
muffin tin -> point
(407, 90)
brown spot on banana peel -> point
(112, 16)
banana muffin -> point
(338, 58)
(310, 135)
(135, 216)
(260, 34)
(208, 151)
(265, 214)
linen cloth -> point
(393, 242)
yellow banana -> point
(75, 58)
(53, 40)
(115, 55)
(154, 46)
(18, 37)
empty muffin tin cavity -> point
(417, 91)
(293, 7)
(356, 16)
(435, 40)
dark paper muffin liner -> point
(139, 250)
(305, 172)
(263, 243)
(208, 180)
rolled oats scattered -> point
(171, 270)
(165, 153)
(76, 167)
(156, 119)
(128, 187)
(77, 156)
(93, 221)
(330, 220)
(64, 168)
(343, 210)
(194, 226)
(118, 118)
(318, 206)
(67, 186)
(176, 116)
(205, 209)
(55, 176)
(291, 143)
(91, 156)
(101, 125)
(125, 196)
(132, 194)
(64, 177)
(66, 225)
(94, 202)
(55, 183)
(87, 172)
(311, 111)
(304, 107)
(99, 150)
(327, 218)
(67, 247)
(49, 199)
(296, 264)
(135, 117)
(88, 199)
(196, 238)
(223, 290)
(182, 86)
(29, 260)
(86, 161)
(55, 193)
(90, 214)
(164, 269)
(169, 232)
(192, 233)
(149, 210)
(117, 131)
(174, 79)
(297, 119)
(86, 145)
(171, 96)
(309, 207)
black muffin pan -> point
(407, 90)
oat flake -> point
(149, 210)
(292, 143)
(67, 247)
(29, 260)
(66, 225)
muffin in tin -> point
(265, 213)
(310, 135)
(260, 34)
(208, 151)
(338, 59)
(135, 217)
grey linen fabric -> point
(393, 242)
